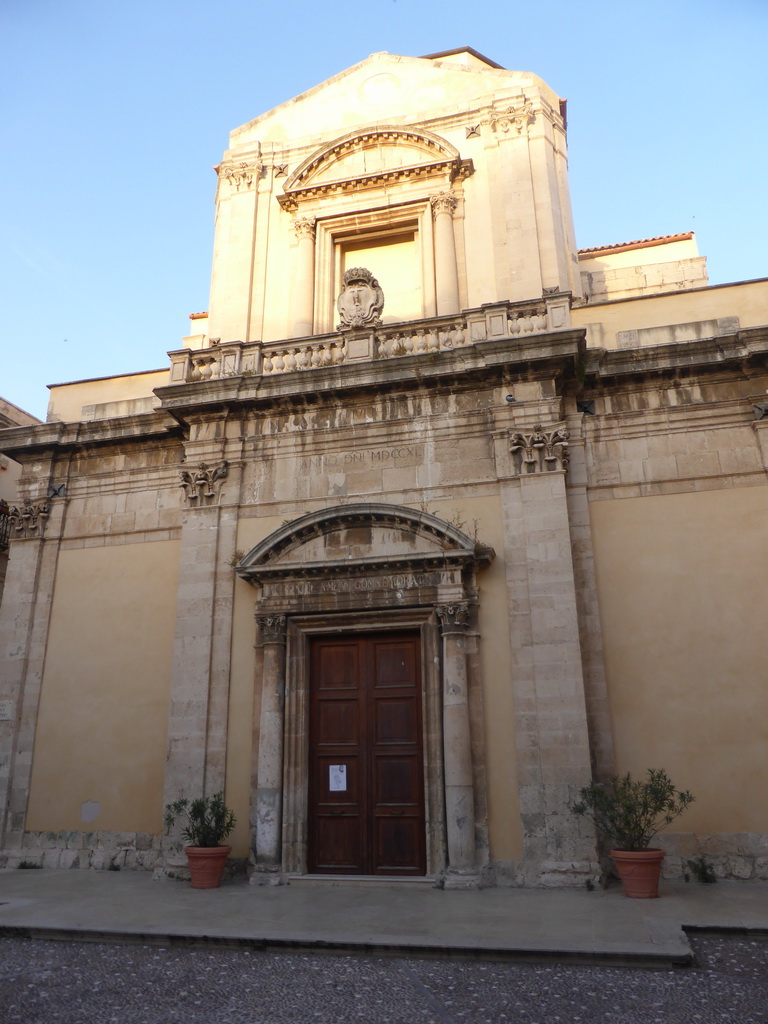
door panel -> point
(366, 813)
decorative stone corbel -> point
(540, 451)
(202, 486)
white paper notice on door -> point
(338, 778)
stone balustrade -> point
(492, 322)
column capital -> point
(202, 486)
(454, 618)
(304, 227)
(540, 451)
(271, 629)
(443, 202)
(240, 176)
(28, 520)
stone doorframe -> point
(398, 569)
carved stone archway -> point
(368, 567)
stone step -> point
(379, 881)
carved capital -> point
(202, 486)
(443, 202)
(271, 629)
(27, 521)
(540, 451)
(513, 120)
(454, 618)
(240, 177)
(304, 228)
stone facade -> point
(402, 415)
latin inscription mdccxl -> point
(397, 581)
(369, 457)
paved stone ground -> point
(44, 982)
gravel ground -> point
(86, 983)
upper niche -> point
(371, 157)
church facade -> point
(432, 519)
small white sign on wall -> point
(338, 778)
(6, 710)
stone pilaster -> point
(446, 271)
(457, 749)
(590, 630)
(24, 620)
(267, 825)
(304, 280)
(198, 710)
(552, 740)
(232, 298)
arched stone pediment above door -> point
(364, 555)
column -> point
(446, 272)
(269, 767)
(457, 749)
(304, 280)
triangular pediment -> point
(361, 538)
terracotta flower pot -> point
(206, 865)
(639, 871)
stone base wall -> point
(98, 850)
(741, 855)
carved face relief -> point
(360, 301)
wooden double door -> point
(366, 779)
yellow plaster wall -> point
(102, 726)
(681, 584)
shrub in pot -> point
(208, 823)
(629, 813)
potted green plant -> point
(209, 822)
(629, 813)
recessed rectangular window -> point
(395, 261)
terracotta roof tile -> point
(638, 243)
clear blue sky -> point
(113, 113)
